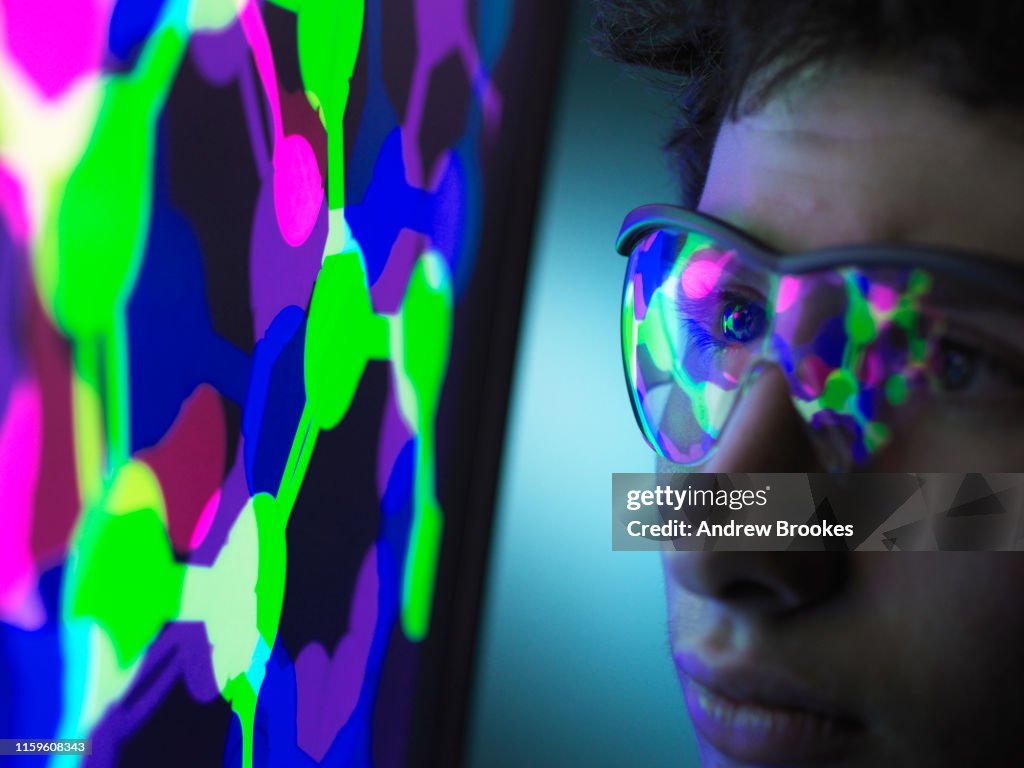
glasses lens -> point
(857, 346)
(864, 349)
(870, 351)
(695, 320)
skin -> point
(924, 648)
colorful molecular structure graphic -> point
(166, 375)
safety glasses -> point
(867, 336)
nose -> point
(764, 434)
(760, 583)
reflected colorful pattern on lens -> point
(858, 345)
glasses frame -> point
(986, 270)
(990, 271)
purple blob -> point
(280, 275)
(220, 56)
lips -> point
(760, 716)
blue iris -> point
(742, 321)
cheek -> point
(950, 439)
(942, 640)
(942, 604)
(688, 614)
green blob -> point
(242, 697)
(840, 386)
(896, 389)
(421, 570)
(104, 213)
(876, 434)
(628, 331)
(328, 34)
(919, 282)
(426, 320)
(273, 553)
(103, 218)
(127, 581)
(920, 350)
(859, 324)
(906, 317)
(341, 319)
(655, 332)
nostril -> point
(760, 582)
(751, 595)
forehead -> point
(860, 158)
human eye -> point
(723, 320)
(967, 368)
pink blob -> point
(12, 206)
(701, 275)
(21, 443)
(789, 288)
(812, 373)
(57, 41)
(205, 520)
(872, 368)
(298, 188)
(882, 297)
(189, 463)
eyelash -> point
(696, 331)
(700, 336)
(705, 336)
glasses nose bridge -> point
(829, 448)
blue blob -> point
(399, 488)
(450, 209)
(463, 185)
(655, 263)
(831, 341)
(377, 119)
(390, 205)
(494, 21)
(172, 345)
(277, 394)
(784, 354)
(276, 737)
(275, 741)
(130, 24)
(32, 669)
(167, 319)
(866, 399)
(275, 734)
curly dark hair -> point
(727, 57)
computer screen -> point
(261, 266)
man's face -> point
(900, 659)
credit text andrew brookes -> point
(664, 496)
